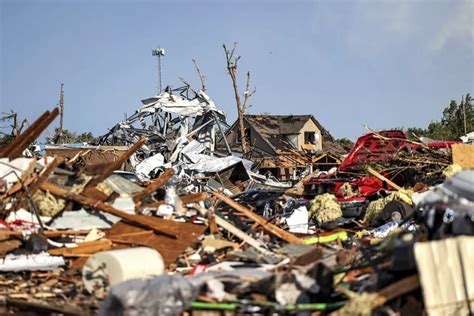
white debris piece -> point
(144, 168)
(298, 221)
(39, 262)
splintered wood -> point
(169, 248)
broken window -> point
(310, 138)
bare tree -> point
(13, 117)
(201, 76)
(232, 63)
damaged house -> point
(280, 144)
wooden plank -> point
(115, 165)
(9, 245)
(153, 186)
(269, 227)
(31, 135)
(384, 179)
(463, 155)
(396, 289)
(243, 236)
(85, 248)
(35, 186)
(145, 221)
(5, 151)
(169, 248)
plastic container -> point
(110, 267)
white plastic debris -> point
(144, 168)
(298, 221)
(110, 267)
(82, 219)
(38, 262)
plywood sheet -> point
(463, 155)
(169, 248)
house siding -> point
(309, 126)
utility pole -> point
(158, 52)
(61, 107)
(464, 114)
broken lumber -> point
(31, 135)
(86, 248)
(272, 229)
(384, 179)
(5, 151)
(396, 289)
(115, 165)
(154, 185)
(97, 204)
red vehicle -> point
(374, 149)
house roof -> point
(273, 128)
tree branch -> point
(201, 76)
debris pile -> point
(168, 225)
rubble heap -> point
(186, 229)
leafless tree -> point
(232, 63)
(13, 117)
(201, 76)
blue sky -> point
(349, 63)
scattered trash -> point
(164, 218)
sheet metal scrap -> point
(169, 122)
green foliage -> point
(85, 138)
(451, 125)
(5, 139)
(68, 137)
(345, 142)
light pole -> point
(158, 52)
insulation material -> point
(360, 304)
(447, 275)
(451, 170)
(48, 204)
(374, 209)
(347, 191)
(325, 208)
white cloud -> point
(375, 27)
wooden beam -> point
(31, 135)
(396, 289)
(114, 165)
(272, 229)
(5, 151)
(384, 179)
(85, 248)
(99, 205)
(35, 186)
(153, 185)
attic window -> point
(310, 138)
(247, 135)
